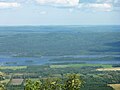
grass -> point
(34, 79)
(12, 67)
(5, 81)
(80, 65)
(115, 86)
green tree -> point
(51, 84)
(29, 85)
(73, 82)
(37, 85)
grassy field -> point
(12, 67)
(16, 81)
(5, 81)
(34, 79)
(109, 69)
(80, 65)
(115, 86)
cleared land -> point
(16, 81)
(115, 86)
(108, 69)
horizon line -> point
(60, 25)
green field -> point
(80, 65)
(12, 67)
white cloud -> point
(68, 3)
(105, 1)
(99, 5)
(96, 6)
(9, 4)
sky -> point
(59, 12)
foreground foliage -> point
(2, 87)
(72, 82)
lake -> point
(26, 61)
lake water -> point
(18, 61)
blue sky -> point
(59, 12)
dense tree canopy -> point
(72, 82)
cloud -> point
(59, 3)
(9, 4)
(114, 3)
(96, 6)
(91, 5)
(105, 1)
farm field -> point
(115, 86)
(16, 78)
(16, 81)
(12, 67)
(109, 69)
(80, 65)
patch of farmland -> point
(115, 86)
(16, 81)
(108, 69)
